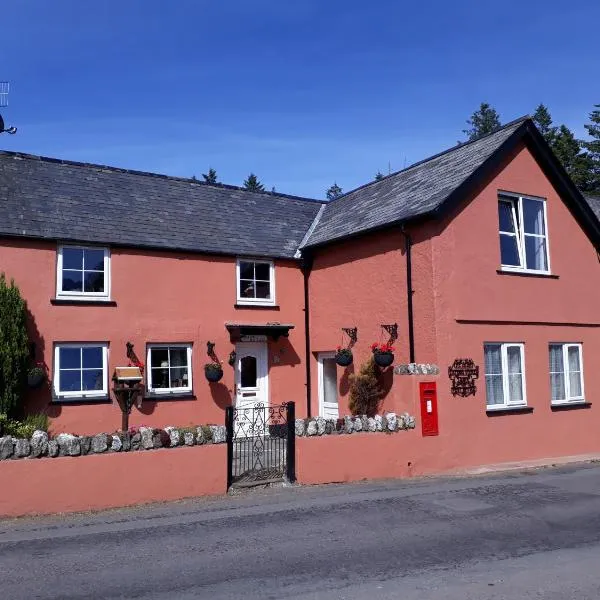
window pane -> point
(178, 357)
(515, 387)
(160, 378)
(179, 377)
(557, 386)
(92, 379)
(263, 271)
(94, 282)
(246, 270)
(248, 371)
(92, 357)
(72, 281)
(533, 216)
(72, 258)
(246, 289)
(556, 358)
(573, 357)
(93, 260)
(159, 357)
(505, 216)
(535, 253)
(330, 381)
(513, 358)
(263, 290)
(494, 389)
(575, 385)
(493, 359)
(509, 253)
(70, 358)
(70, 381)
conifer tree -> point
(543, 120)
(14, 348)
(253, 184)
(210, 177)
(483, 121)
(334, 191)
(365, 391)
(577, 164)
(593, 148)
(378, 176)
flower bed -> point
(143, 438)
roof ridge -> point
(523, 119)
(97, 166)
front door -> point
(251, 388)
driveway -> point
(515, 536)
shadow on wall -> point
(221, 395)
(283, 354)
(345, 380)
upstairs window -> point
(523, 234)
(80, 371)
(255, 282)
(566, 373)
(83, 273)
(170, 368)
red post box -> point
(429, 411)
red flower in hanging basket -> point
(378, 348)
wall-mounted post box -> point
(429, 410)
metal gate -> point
(261, 444)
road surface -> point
(516, 536)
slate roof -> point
(417, 190)
(594, 202)
(63, 200)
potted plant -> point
(343, 356)
(383, 354)
(213, 372)
(36, 375)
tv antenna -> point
(4, 89)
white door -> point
(328, 386)
(251, 388)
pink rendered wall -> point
(101, 481)
(161, 297)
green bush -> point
(23, 429)
(14, 348)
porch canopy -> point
(239, 331)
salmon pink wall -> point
(160, 297)
(101, 481)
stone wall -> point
(387, 423)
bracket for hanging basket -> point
(392, 331)
(352, 333)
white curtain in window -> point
(557, 375)
(515, 374)
(493, 374)
(329, 381)
(574, 371)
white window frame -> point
(321, 383)
(83, 296)
(89, 394)
(255, 301)
(152, 391)
(505, 383)
(517, 212)
(569, 399)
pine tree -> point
(577, 164)
(210, 177)
(334, 191)
(483, 121)
(593, 148)
(253, 184)
(14, 348)
(365, 391)
(543, 121)
(378, 176)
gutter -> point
(306, 269)
(409, 294)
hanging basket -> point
(384, 359)
(213, 374)
(35, 378)
(344, 359)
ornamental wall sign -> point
(463, 374)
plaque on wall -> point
(463, 374)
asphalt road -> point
(517, 536)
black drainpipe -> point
(409, 294)
(306, 268)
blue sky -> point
(301, 92)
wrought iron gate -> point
(260, 444)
